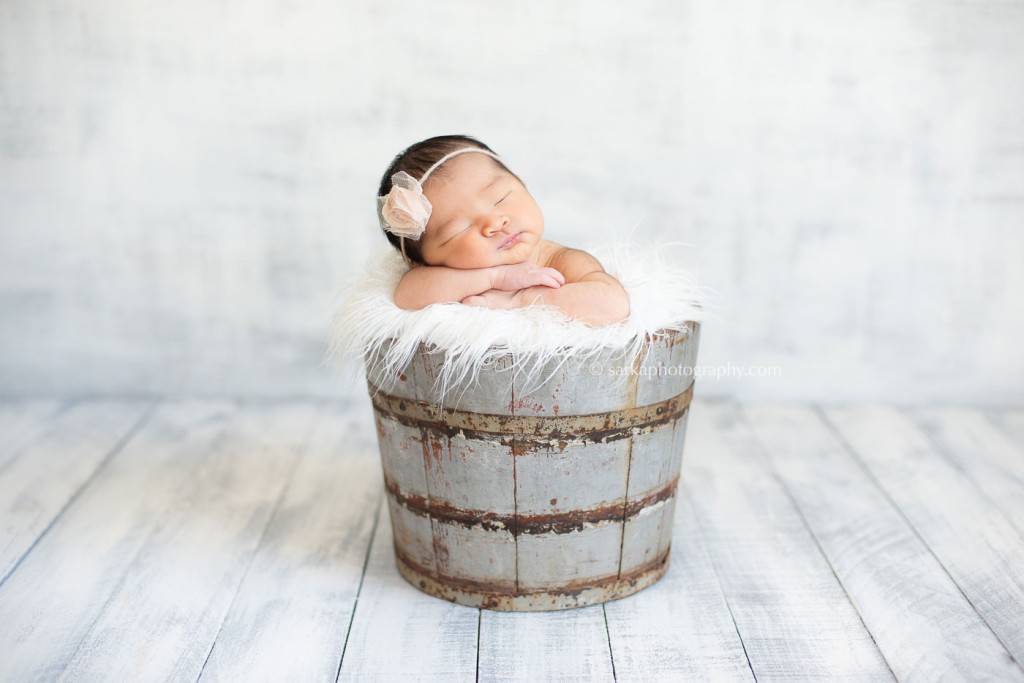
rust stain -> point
(517, 448)
(524, 404)
(672, 338)
(436, 449)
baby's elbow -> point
(624, 310)
(616, 305)
(618, 311)
(614, 301)
(612, 312)
(407, 300)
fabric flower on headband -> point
(404, 211)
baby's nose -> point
(496, 223)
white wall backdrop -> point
(183, 185)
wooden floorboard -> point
(22, 422)
(1011, 422)
(299, 592)
(50, 602)
(226, 540)
(989, 458)
(40, 480)
(974, 541)
(792, 614)
(163, 617)
(570, 645)
(916, 614)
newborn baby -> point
(471, 233)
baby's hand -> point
(518, 276)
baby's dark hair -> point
(417, 160)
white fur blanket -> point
(661, 296)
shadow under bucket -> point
(543, 497)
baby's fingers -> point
(551, 281)
(549, 277)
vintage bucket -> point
(546, 497)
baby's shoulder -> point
(572, 263)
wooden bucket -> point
(557, 498)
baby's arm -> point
(590, 294)
(425, 285)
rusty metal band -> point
(589, 428)
(501, 594)
(516, 524)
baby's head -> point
(451, 201)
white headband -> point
(404, 210)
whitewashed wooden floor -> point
(222, 540)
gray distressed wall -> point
(182, 185)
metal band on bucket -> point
(516, 524)
(533, 429)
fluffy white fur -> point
(661, 296)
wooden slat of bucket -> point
(689, 357)
(566, 478)
(656, 456)
(474, 558)
(402, 459)
(577, 386)
(647, 537)
(465, 476)
(655, 459)
(569, 561)
(663, 372)
(489, 392)
(401, 450)
(470, 474)
(413, 534)
(678, 438)
(402, 383)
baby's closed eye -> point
(456, 234)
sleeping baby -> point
(471, 233)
